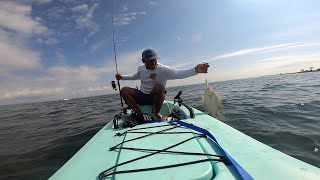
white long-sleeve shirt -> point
(160, 75)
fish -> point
(211, 101)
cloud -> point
(266, 60)
(17, 17)
(83, 8)
(268, 66)
(152, 3)
(38, 1)
(286, 61)
(93, 89)
(18, 57)
(96, 46)
(31, 92)
(81, 73)
(63, 81)
(55, 83)
(128, 62)
(16, 29)
(126, 17)
(281, 64)
(196, 38)
(49, 41)
(308, 27)
(267, 49)
(15, 55)
(182, 65)
(85, 21)
(56, 12)
(125, 8)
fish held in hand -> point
(211, 101)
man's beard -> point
(152, 68)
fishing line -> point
(114, 52)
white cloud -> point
(38, 1)
(16, 28)
(285, 61)
(127, 63)
(76, 74)
(196, 38)
(125, 8)
(85, 21)
(267, 49)
(83, 8)
(65, 81)
(152, 3)
(17, 17)
(56, 83)
(93, 89)
(252, 51)
(27, 92)
(49, 41)
(309, 27)
(266, 60)
(56, 12)
(182, 65)
(281, 64)
(126, 17)
(96, 46)
(15, 56)
(268, 66)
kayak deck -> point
(162, 164)
(258, 159)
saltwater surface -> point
(282, 111)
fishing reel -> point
(114, 86)
(178, 99)
(117, 117)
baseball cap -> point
(149, 54)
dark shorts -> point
(143, 99)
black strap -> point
(150, 134)
(103, 173)
(178, 132)
(102, 176)
(107, 172)
(120, 134)
(172, 152)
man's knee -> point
(126, 91)
(158, 89)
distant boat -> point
(65, 99)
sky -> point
(56, 49)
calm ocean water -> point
(281, 111)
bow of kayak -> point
(167, 150)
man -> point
(153, 77)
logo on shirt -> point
(153, 76)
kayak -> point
(190, 144)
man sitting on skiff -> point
(153, 77)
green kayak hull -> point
(258, 159)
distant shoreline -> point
(300, 72)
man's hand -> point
(202, 68)
(119, 77)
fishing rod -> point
(115, 58)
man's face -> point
(151, 64)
